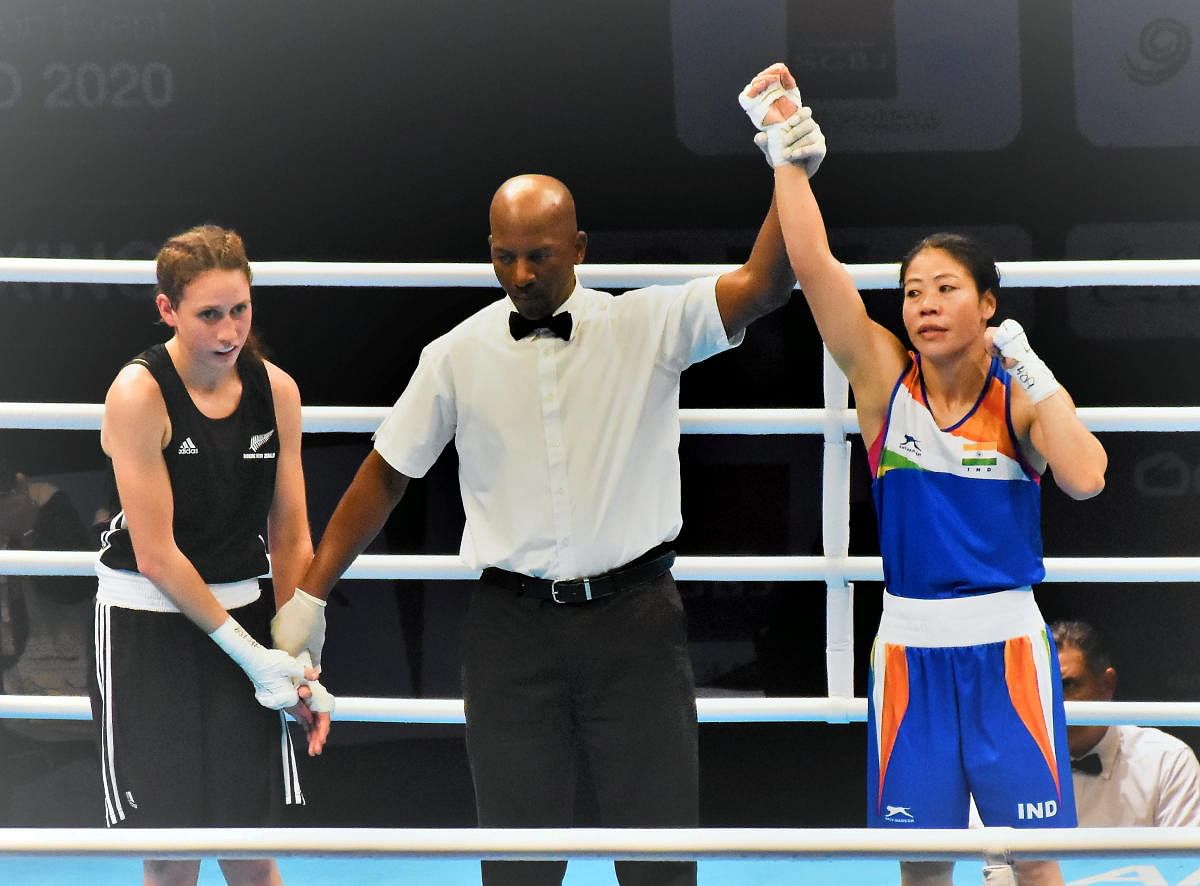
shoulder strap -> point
(255, 379)
(158, 361)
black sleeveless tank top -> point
(222, 476)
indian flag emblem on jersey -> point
(979, 457)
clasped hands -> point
(298, 628)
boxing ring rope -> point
(833, 423)
(449, 711)
(675, 844)
(1117, 570)
(1122, 272)
(743, 422)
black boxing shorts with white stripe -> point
(183, 742)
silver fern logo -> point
(258, 440)
(256, 443)
(1164, 47)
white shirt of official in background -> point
(568, 450)
(1149, 779)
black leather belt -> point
(650, 565)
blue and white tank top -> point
(959, 508)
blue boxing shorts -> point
(965, 699)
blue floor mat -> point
(29, 871)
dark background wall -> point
(377, 131)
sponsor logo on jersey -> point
(187, 447)
(129, 799)
(910, 446)
(902, 814)
(256, 443)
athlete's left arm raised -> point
(1076, 458)
(1042, 405)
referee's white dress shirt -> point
(568, 451)
(1149, 779)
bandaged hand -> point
(299, 625)
(321, 700)
(759, 96)
(1008, 340)
(270, 670)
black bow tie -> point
(1088, 764)
(559, 324)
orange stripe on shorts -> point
(895, 703)
(1020, 673)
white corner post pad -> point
(1029, 370)
(300, 624)
(270, 670)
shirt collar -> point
(1107, 749)
(573, 303)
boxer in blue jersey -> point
(965, 697)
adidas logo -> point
(187, 447)
(259, 439)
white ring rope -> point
(366, 419)
(434, 567)
(675, 844)
(430, 711)
(1120, 272)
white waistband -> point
(961, 621)
(132, 590)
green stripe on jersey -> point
(892, 459)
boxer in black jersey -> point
(204, 437)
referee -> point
(563, 404)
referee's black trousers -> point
(609, 681)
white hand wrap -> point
(797, 140)
(300, 624)
(321, 701)
(756, 108)
(1029, 371)
(270, 670)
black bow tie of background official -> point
(1089, 764)
(559, 324)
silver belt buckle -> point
(587, 589)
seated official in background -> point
(1124, 776)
